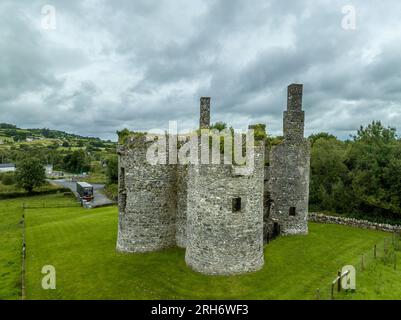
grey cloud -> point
(139, 64)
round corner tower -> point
(225, 218)
(146, 200)
(289, 170)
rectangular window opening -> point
(293, 211)
(236, 204)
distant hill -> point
(11, 133)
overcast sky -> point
(101, 66)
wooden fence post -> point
(374, 251)
(23, 258)
(318, 294)
(339, 281)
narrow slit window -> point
(122, 195)
(122, 179)
(236, 204)
(293, 211)
(123, 198)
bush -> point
(39, 192)
(259, 132)
(112, 169)
(8, 178)
(111, 191)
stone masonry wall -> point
(204, 119)
(289, 170)
(220, 241)
(289, 186)
(182, 198)
(294, 117)
(267, 228)
(294, 97)
(293, 123)
(147, 201)
(363, 224)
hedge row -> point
(19, 194)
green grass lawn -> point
(96, 177)
(10, 249)
(11, 240)
(80, 244)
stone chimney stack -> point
(294, 97)
(294, 117)
(204, 120)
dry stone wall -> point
(363, 224)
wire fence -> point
(45, 205)
(385, 252)
(23, 257)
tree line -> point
(74, 161)
(359, 177)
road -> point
(100, 198)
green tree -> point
(314, 137)
(7, 126)
(374, 161)
(218, 126)
(76, 162)
(361, 177)
(29, 174)
(260, 132)
(329, 173)
(112, 169)
(376, 133)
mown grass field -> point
(80, 244)
(11, 241)
(10, 249)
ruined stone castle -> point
(222, 217)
